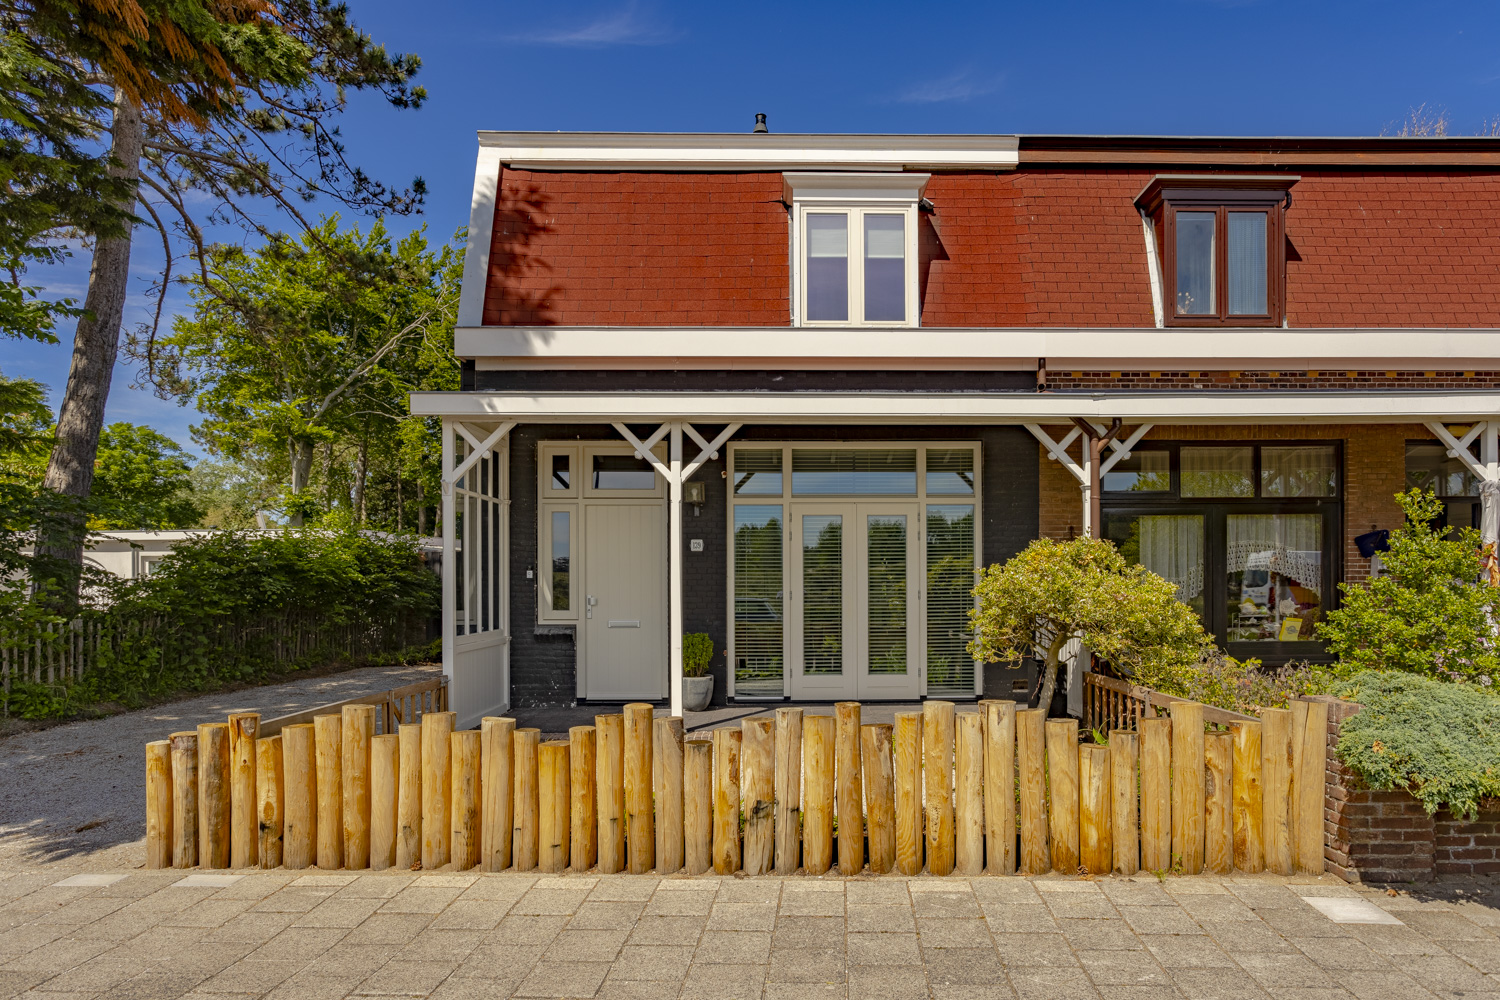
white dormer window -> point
(854, 248)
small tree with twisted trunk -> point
(1053, 592)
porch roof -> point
(964, 408)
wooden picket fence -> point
(1110, 703)
(998, 790)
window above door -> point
(854, 248)
(1222, 245)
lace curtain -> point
(1292, 545)
(1172, 548)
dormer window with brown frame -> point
(1221, 241)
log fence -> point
(943, 791)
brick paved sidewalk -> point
(310, 936)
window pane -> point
(1428, 467)
(1142, 472)
(1169, 545)
(822, 594)
(950, 587)
(757, 601)
(886, 591)
(623, 472)
(864, 471)
(757, 472)
(1307, 471)
(562, 475)
(562, 547)
(1247, 264)
(1275, 564)
(950, 472)
(1218, 472)
(828, 267)
(885, 268)
(1195, 263)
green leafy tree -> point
(143, 480)
(1053, 592)
(1428, 614)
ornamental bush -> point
(1438, 741)
(1428, 614)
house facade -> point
(793, 391)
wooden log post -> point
(526, 800)
(1095, 811)
(726, 848)
(1249, 850)
(1125, 813)
(640, 819)
(1031, 770)
(758, 794)
(1275, 777)
(583, 818)
(385, 796)
(818, 753)
(999, 787)
(299, 796)
(877, 773)
(464, 750)
(1156, 794)
(159, 804)
(270, 782)
(437, 788)
(666, 771)
(244, 730)
(409, 797)
(1218, 811)
(359, 730)
(496, 736)
(1062, 799)
(908, 768)
(213, 795)
(698, 806)
(184, 751)
(609, 757)
(968, 809)
(554, 795)
(1312, 765)
(328, 734)
(788, 790)
(1189, 785)
(849, 787)
(937, 784)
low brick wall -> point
(1372, 836)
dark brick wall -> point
(1467, 847)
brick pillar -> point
(1371, 836)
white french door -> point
(856, 577)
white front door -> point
(625, 602)
(856, 575)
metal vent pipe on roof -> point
(760, 123)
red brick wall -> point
(1468, 847)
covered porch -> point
(678, 435)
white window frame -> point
(921, 498)
(854, 195)
(545, 611)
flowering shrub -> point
(1237, 685)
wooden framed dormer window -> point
(1221, 241)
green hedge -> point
(231, 607)
(1436, 740)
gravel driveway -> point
(73, 796)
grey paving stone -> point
(1305, 922)
(1029, 950)
(879, 917)
(500, 963)
(682, 903)
(952, 905)
(304, 986)
(389, 928)
(1050, 983)
(883, 948)
(1215, 907)
(675, 931)
(1187, 951)
(742, 916)
(963, 966)
(1236, 936)
(354, 959)
(1007, 889)
(901, 982)
(622, 888)
(1283, 970)
(375, 886)
(529, 930)
(808, 932)
(1096, 935)
(734, 947)
(620, 989)
(472, 914)
(1339, 953)
(586, 945)
(255, 928)
(1393, 941)
(420, 899)
(155, 985)
(347, 912)
(563, 979)
(724, 982)
(1309, 993)
(876, 892)
(1445, 972)
(447, 947)
(942, 932)
(750, 890)
(549, 901)
(298, 944)
(806, 965)
(1267, 897)
(607, 915)
(1122, 968)
(1216, 984)
(1139, 993)
(1093, 906)
(1125, 892)
(1449, 926)
(55, 953)
(1483, 955)
(1025, 917)
(1381, 985)
(652, 962)
(289, 900)
(83, 911)
(805, 991)
(207, 913)
(15, 982)
(811, 904)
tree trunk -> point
(361, 473)
(1050, 666)
(421, 508)
(301, 457)
(96, 342)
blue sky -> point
(1227, 67)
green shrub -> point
(1428, 615)
(697, 654)
(1245, 686)
(1438, 741)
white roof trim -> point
(841, 186)
(1014, 349)
(481, 230)
(962, 408)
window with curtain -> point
(1275, 575)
